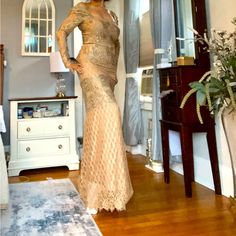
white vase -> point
(229, 125)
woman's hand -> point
(75, 66)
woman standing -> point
(104, 177)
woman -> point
(104, 181)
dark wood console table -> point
(185, 121)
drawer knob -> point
(60, 127)
(27, 149)
(28, 129)
(60, 146)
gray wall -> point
(26, 77)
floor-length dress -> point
(104, 181)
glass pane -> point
(43, 28)
(49, 9)
(49, 27)
(34, 9)
(26, 26)
(27, 43)
(42, 45)
(184, 21)
(33, 44)
(34, 27)
(43, 10)
(50, 43)
(27, 10)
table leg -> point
(187, 158)
(211, 140)
(165, 150)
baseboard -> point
(136, 150)
(7, 148)
(203, 175)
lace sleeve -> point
(114, 16)
(117, 42)
(74, 19)
(117, 48)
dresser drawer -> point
(169, 79)
(172, 113)
(45, 147)
(43, 127)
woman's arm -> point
(117, 49)
(74, 19)
(117, 42)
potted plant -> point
(217, 88)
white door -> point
(79, 107)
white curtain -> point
(132, 123)
(156, 27)
(163, 36)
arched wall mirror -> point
(38, 27)
(190, 14)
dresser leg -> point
(187, 158)
(165, 150)
(211, 140)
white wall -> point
(220, 13)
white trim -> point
(159, 51)
(136, 150)
(155, 166)
(131, 75)
(203, 175)
(7, 148)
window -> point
(144, 7)
(38, 27)
(146, 47)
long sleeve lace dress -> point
(104, 181)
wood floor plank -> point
(156, 208)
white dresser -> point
(42, 134)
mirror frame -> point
(52, 19)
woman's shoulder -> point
(81, 8)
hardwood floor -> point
(156, 208)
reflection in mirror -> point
(184, 24)
(38, 27)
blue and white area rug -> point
(46, 208)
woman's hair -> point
(90, 0)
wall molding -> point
(7, 148)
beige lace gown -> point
(104, 181)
